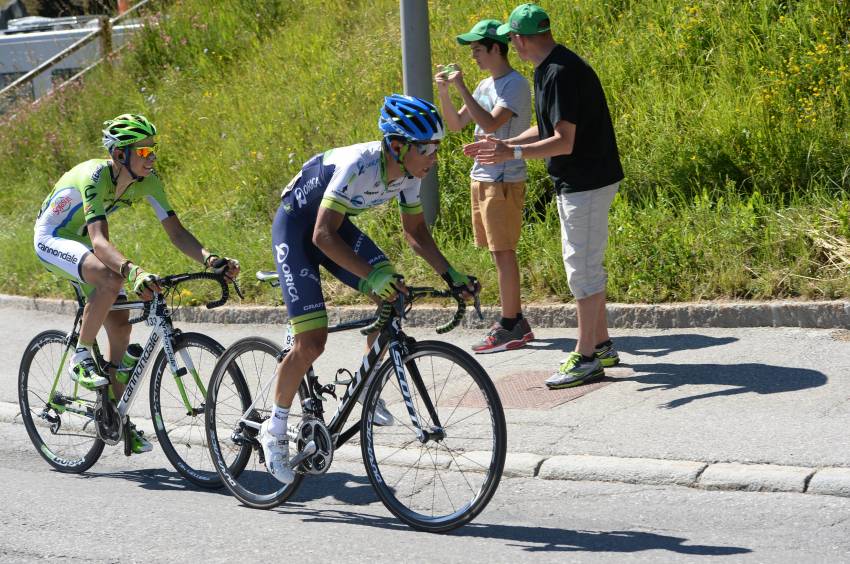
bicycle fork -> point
(434, 432)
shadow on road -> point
(735, 379)
(536, 539)
(655, 345)
(156, 479)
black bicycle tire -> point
(479, 375)
(210, 479)
(59, 463)
(228, 476)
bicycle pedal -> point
(308, 450)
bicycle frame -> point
(390, 338)
(162, 334)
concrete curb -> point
(756, 477)
(734, 476)
(821, 314)
(629, 470)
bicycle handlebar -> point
(170, 282)
(385, 309)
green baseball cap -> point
(527, 19)
(484, 28)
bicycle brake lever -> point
(237, 288)
(398, 304)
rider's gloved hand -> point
(144, 283)
(384, 281)
(461, 283)
(215, 262)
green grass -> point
(732, 118)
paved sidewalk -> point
(759, 409)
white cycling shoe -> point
(276, 451)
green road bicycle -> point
(70, 425)
(435, 467)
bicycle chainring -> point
(109, 425)
(312, 429)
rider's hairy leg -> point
(107, 285)
(308, 346)
(509, 290)
(118, 333)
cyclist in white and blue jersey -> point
(313, 227)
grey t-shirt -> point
(510, 91)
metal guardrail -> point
(105, 33)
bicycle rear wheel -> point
(444, 482)
(178, 406)
(241, 375)
(57, 412)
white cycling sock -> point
(278, 420)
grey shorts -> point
(584, 237)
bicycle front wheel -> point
(441, 480)
(178, 405)
(57, 412)
(244, 373)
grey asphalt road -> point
(757, 394)
(766, 395)
(138, 510)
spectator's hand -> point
(489, 151)
(441, 78)
(455, 76)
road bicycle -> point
(70, 425)
(435, 467)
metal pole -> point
(416, 64)
(105, 38)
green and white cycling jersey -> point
(349, 180)
(86, 193)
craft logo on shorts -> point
(61, 204)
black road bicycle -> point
(70, 425)
(435, 467)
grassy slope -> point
(731, 117)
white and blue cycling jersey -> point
(348, 180)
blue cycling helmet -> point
(410, 117)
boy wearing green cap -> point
(575, 136)
(501, 106)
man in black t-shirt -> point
(575, 136)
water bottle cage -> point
(342, 382)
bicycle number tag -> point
(289, 338)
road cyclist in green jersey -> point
(313, 227)
(72, 240)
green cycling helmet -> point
(126, 129)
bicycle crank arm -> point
(308, 450)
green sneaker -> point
(574, 372)
(607, 355)
(85, 372)
(138, 443)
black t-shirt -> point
(567, 89)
